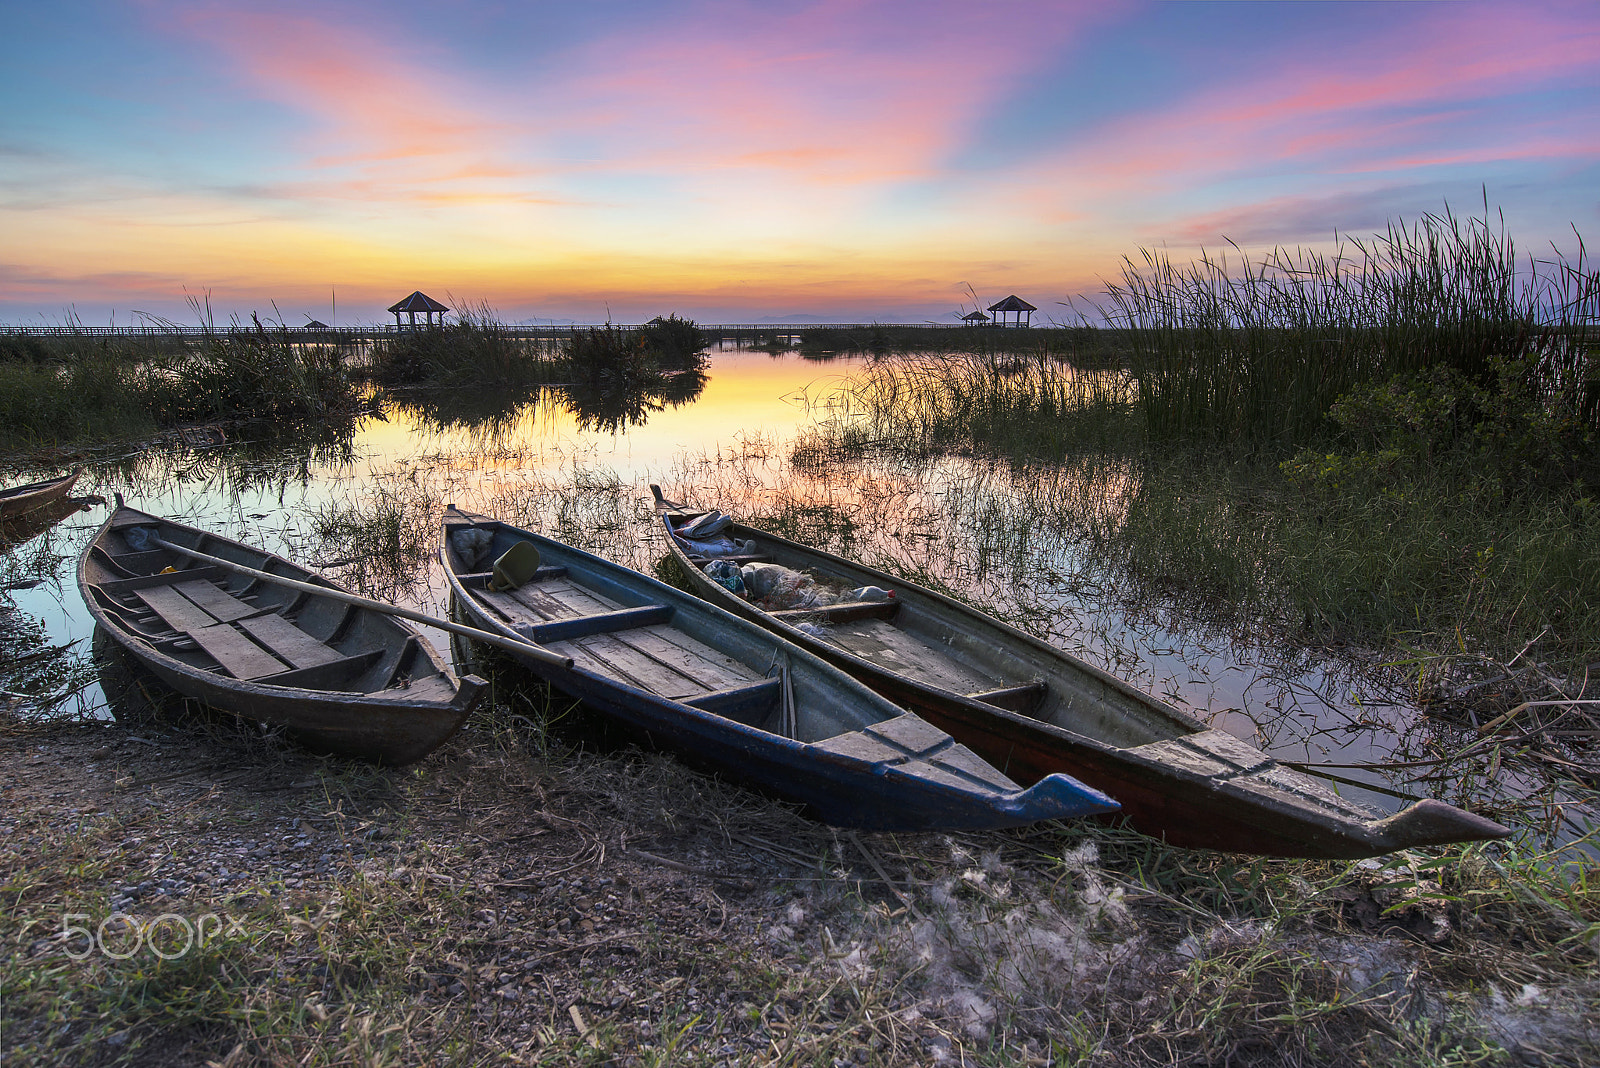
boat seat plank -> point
(701, 561)
(118, 587)
(289, 641)
(748, 704)
(175, 610)
(238, 655)
(840, 613)
(886, 646)
(327, 675)
(1022, 699)
(601, 623)
(222, 605)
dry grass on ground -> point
(517, 898)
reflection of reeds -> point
(383, 536)
(616, 379)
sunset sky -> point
(747, 161)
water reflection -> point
(611, 401)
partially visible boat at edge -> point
(1032, 710)
(19, 501)
(734, 695)
(337, 677)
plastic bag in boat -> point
(867, 593)
(726, 573)
(471, 545)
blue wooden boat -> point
(732, 694)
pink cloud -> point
(1396, 108)
(378, 112)
(831, 92)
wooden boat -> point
(734, 695)
(337, 677)
(1032, 710)
(26, 527)
(19, 501)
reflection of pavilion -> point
(1013, 305)
(418, 302)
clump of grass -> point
(473, 350)
(675, 343)
(1023, 406)
(617, 379)
(79, 388)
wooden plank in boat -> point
(563, 597)
(117, 587)
(683, 653)
(507, 607)
(328, 676)
(222, 605)
(890, 647)
(432, 688)
(689, 648)
(238, 655)
(176, 610)
(610, 655)
(601, 623)
(840, 613)
(913, 734)
(289, 641)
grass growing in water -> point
(473, 350)
(1444, 407)
(1260, 352)
(78, 389)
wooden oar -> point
(528, 649)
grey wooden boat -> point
(734, 695)
(1032, 710)
(337, 677)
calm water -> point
(545, 467)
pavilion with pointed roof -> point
(418, 302)
(974, 317)
(1013, 305)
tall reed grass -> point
(1226, 349)
(79, 388)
